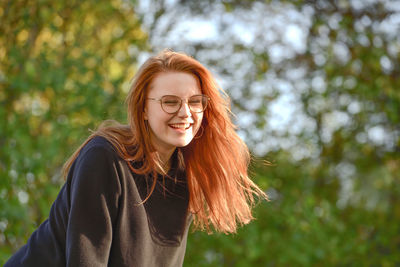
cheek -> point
(199, 119)
(158, 121)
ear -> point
(145, 114)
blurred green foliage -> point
(339, 204)
(65, 67)
(303, 226)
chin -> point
(184, 143)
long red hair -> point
(216, 160)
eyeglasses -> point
(172, 104)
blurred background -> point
(315, 87)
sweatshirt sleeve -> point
(93, 205)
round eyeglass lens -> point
(198, 103)
(170, 104)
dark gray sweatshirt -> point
(97, 219)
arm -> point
(94, 191)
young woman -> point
(133, 190)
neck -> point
(165, 159)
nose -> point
(184, 111)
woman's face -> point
(168, 131)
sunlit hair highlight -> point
(216, 163)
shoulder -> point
(97, 154)
(98, 147)
(99, 143)
(97, 164)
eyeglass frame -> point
(180, 105)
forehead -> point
(174, 83)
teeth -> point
(180, 125)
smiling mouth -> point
(180, 126)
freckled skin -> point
(163, 136)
